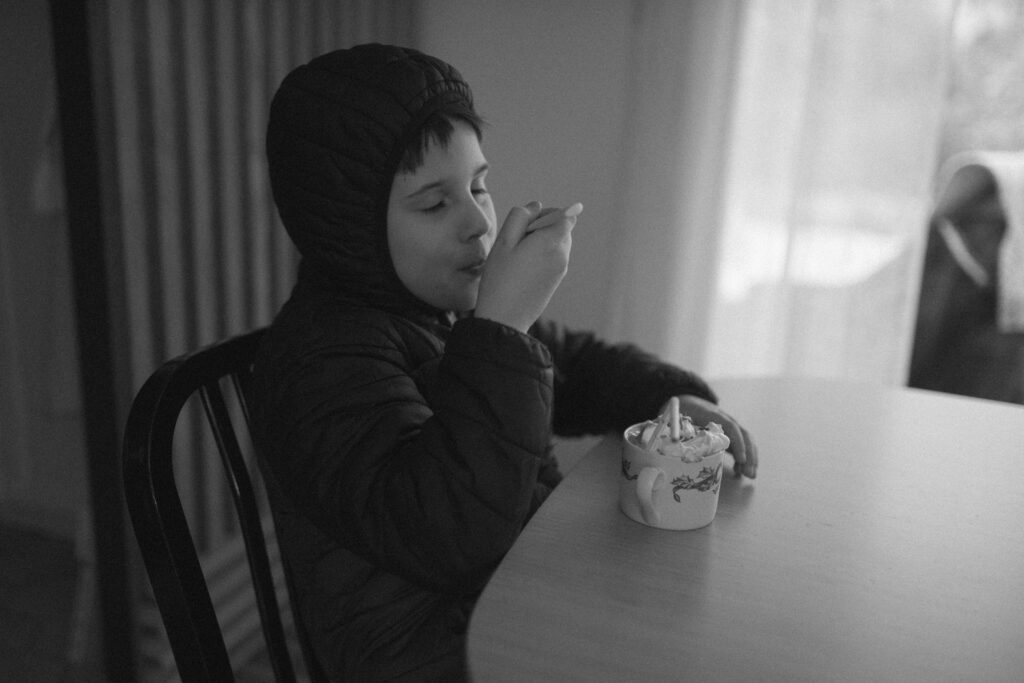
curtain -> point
(203, 255)
(777, 188)
(682, 63)
(198, 252)
(832, 150)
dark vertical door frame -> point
(94, 322)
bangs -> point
(438, 129)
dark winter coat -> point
(405, 449)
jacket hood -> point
(337, 129)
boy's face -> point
(441, 223)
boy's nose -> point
(476, 221)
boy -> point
(406, 394)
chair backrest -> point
(163, 534)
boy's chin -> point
(459, 305)
(465, 308)
(465, 302)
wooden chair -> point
(161, 529)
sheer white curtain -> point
(798, 197)
(682, 63)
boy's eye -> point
(434, 208)
(479, 191)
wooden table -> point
(883, 540)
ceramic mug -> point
(666, 491)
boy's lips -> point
(475, 264)
(474, 268)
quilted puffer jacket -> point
(404, 448)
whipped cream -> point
(694, 444)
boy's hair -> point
(438, 128)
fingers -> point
(741, 444)
(547, 218)
(544, 219)
(737, 444)
(745, 455)
(517, 221)
(523, 270)
(750, 469)
(742, 447)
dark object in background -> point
(959, 347)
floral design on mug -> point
(709, 479)
(626, 464)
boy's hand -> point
(529, 258)
(741, 445)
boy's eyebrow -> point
(438, 183)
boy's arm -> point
(602, 387)
(434, 488)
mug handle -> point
(650, 480)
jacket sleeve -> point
(433, 488)
(601, 387)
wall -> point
(549, 77)
(42, 459)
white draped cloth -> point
(779, 167)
